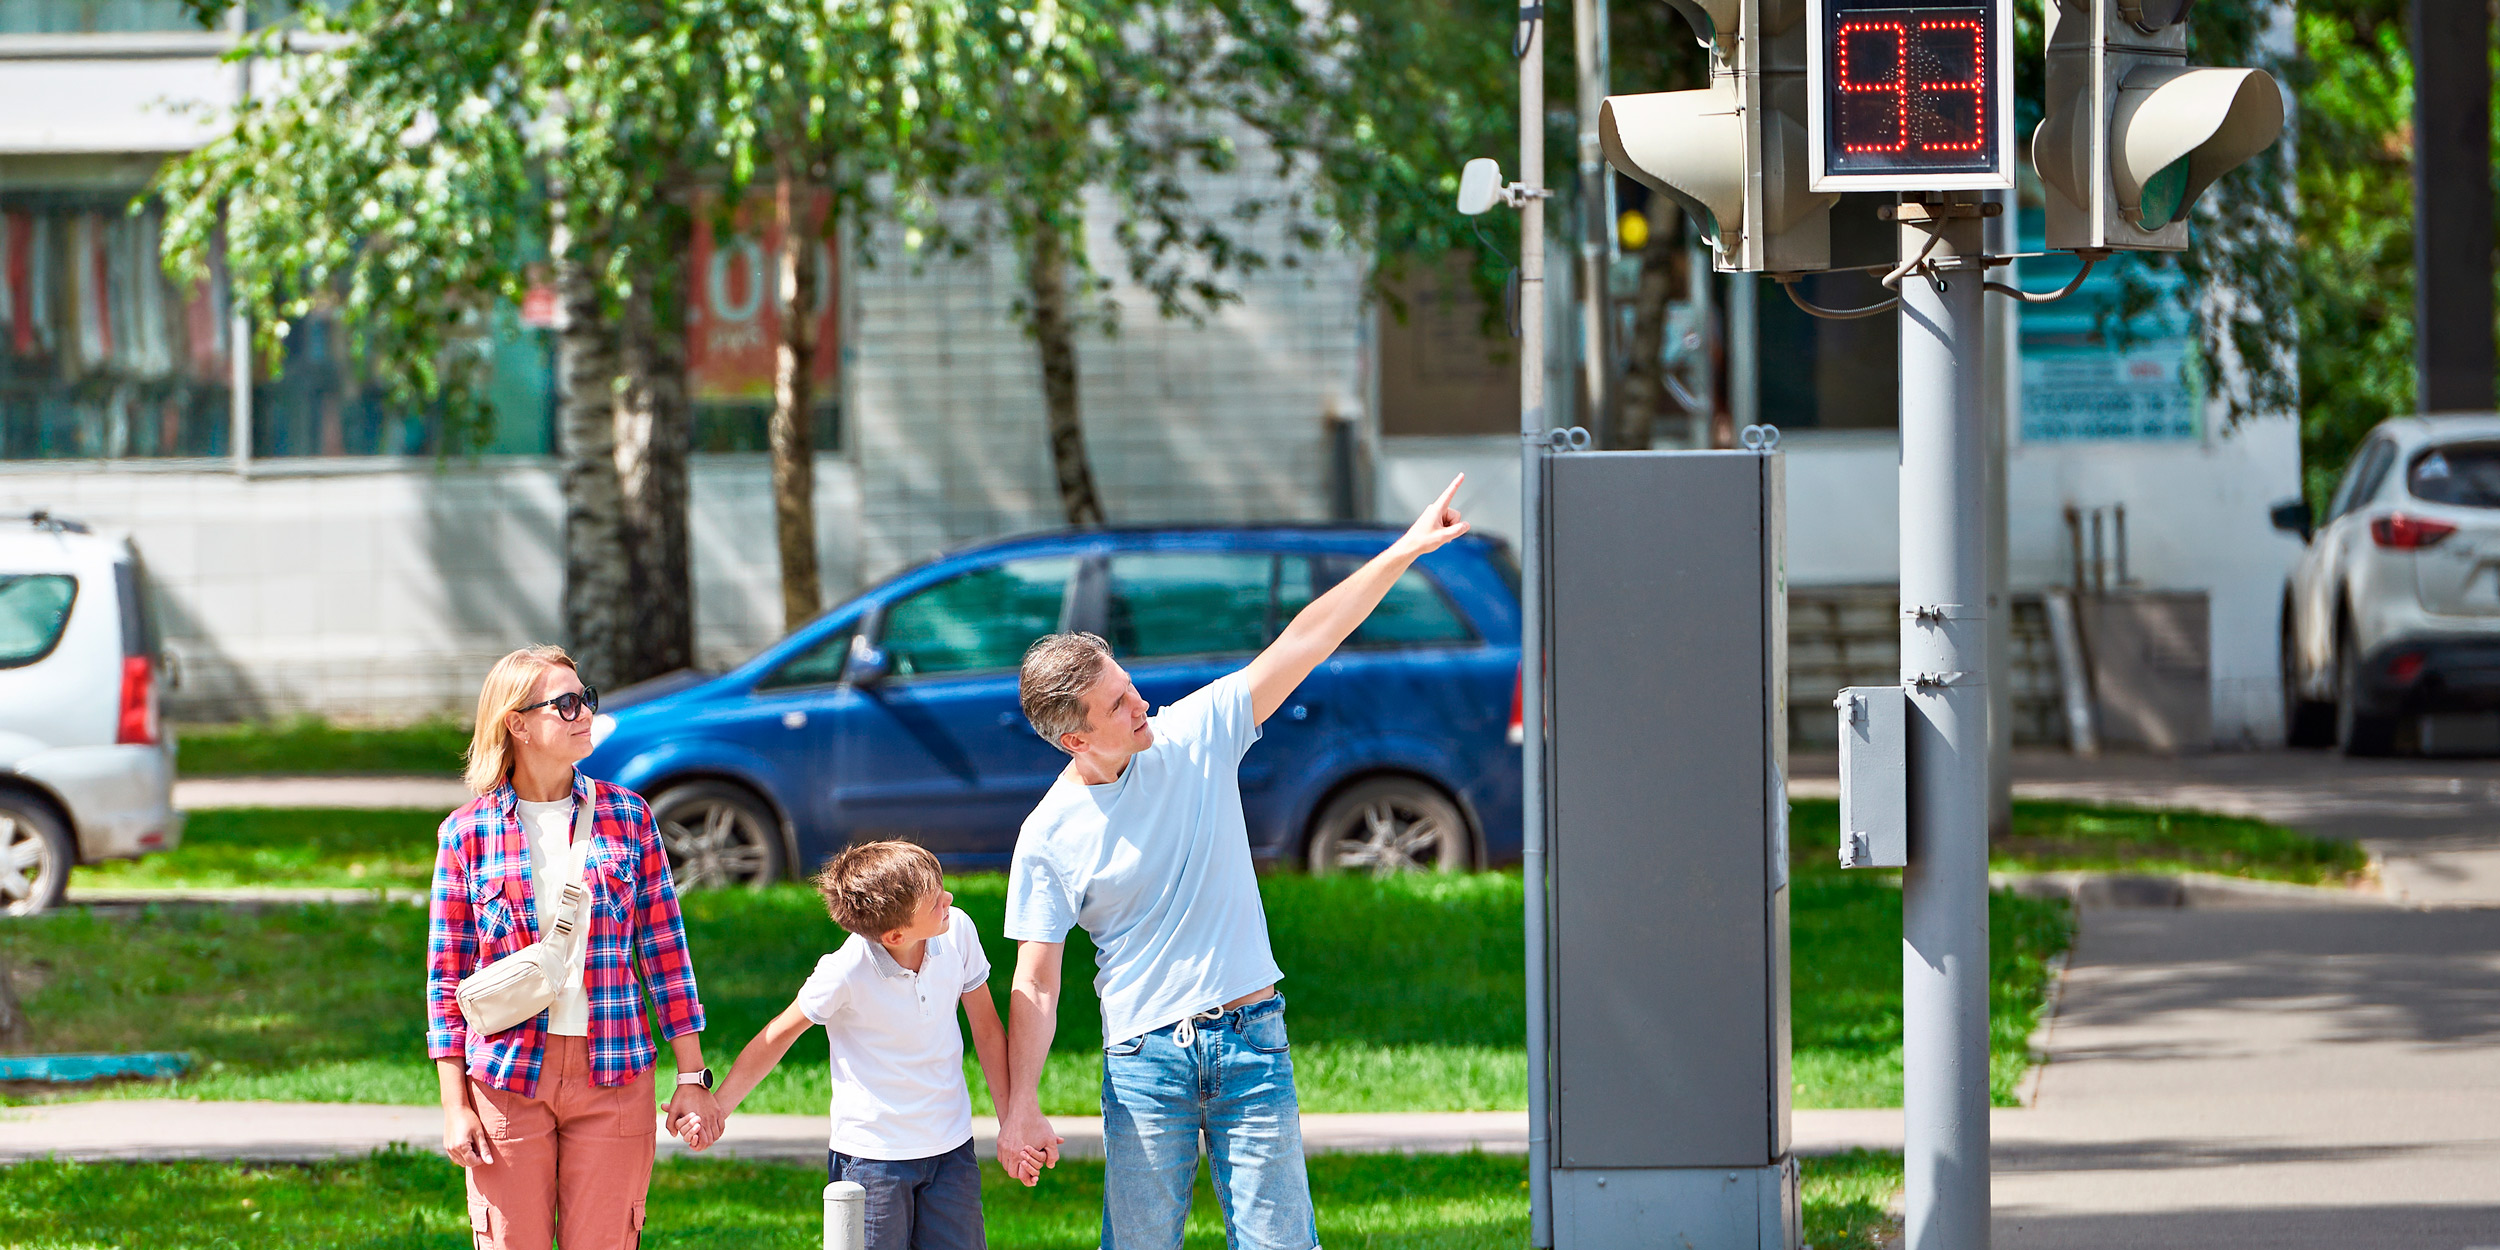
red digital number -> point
(1897, 87)
(1976, 86)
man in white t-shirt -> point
(1141, 842)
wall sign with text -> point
(1910, 95)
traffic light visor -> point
(1686, 145)
(1713, 21)
(2176, 131)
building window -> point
(103, 357)
(733, 333)
(100, 354)
(93, 17)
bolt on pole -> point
(1945, 668)
(1532, 608)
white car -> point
(86, 762)
(2394, 610)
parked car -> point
(895, 715)
(2394, 610)
(86, 763)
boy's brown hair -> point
(874, 888)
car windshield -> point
(34, 608)
(2464, 474)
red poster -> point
(733, 322)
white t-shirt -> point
(1156, 866)
(554, 861)
(898, 1061)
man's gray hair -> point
(1059, 670)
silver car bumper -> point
(120, 798)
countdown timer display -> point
(1910, 95)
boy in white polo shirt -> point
(902, 1118)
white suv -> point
(86, 764)
(2394, 610)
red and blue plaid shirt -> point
(484, 909)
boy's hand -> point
(1026, 1146)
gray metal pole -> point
(238, 326)
(1532, 619)
(1945, 666)
(1744, 362)
(1597, 222)
(2004, 369)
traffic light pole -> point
(1945, 668)
(1532, 450)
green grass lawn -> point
(402, 1200)
(1406, 994)
(346, 847)
(311, 745)
(2072, 835)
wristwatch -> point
(702, 1078)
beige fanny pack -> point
(528, 981)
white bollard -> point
(846, 1216)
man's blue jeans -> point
(1230, 1077)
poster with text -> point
(733, 320)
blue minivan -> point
(895, 715)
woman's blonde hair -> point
(508, 686)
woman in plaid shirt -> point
(553, 1117)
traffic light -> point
(1733, 154)
(2133, 135)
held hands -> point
(1437, 526)
(1026, 1146)
(696, 1117)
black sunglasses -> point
(569, 705)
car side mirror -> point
(868, 665)
(2292, 517)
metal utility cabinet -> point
(1666, 615)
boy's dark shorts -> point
(918, 1204)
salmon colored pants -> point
(573, 1162)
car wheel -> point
(717, 835)
(2356, 732)
(2307, 722)
(1387, 826)
(35, 856)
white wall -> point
(1221, 421)
(2196, 520)
(382, 589)
(132, 104)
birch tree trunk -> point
(596, 577)
(653, 429)
(794, 416)
(1054, 333)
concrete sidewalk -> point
(442, 794)
(2313, 1078)
(159, 1129)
